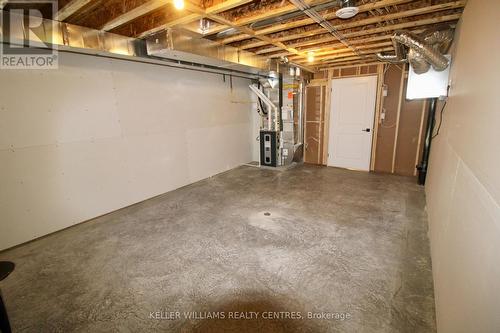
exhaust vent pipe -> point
(421, 51)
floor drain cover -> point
(267, 214)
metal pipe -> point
(422, 168)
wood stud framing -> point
(293, 37)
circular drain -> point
(267, 214)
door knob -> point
(366, 130)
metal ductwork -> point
(422, 51)
(173, 48)
(181, 44)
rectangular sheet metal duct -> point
(181, 44)
(172, 48)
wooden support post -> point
(328, 99)
(401, 90)
(378, 108)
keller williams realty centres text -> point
(247, 315)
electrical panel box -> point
(268, 148)
(432, 84)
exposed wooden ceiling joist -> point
(325, 54)
(409, 24)
(308, 21)
(153, 5)
(292, 36)
(267, 14)
(70, 8)
(364, 22)
(143, 9)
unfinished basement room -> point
(250, 166)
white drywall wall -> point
(463, 186)
(101, 134)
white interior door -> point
(351, 122)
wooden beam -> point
(396, 134)
(324, 54)
(354, 23)
(267, 14)
(372, 31)
(358, 33)
(70, 8)
(219, 19)
(378, 108)
(413, 12)
(137, 12)
(308, 21)
(340, 57)
(361, 41)
(249, 32)
(347, 65)
(326, 132)
(226, 5)
(153, 5)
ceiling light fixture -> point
(310, 56)
(347, 9)
(179, 4)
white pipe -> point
(268, 102)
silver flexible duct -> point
(438, 61)
(423, 51)
(398, 57)
(417, 61)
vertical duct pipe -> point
(422, 168)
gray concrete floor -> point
(337, 241)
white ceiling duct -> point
(347, 9)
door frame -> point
(378, 106)
(320, 83)
(374, 126)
